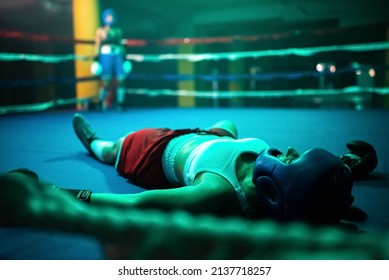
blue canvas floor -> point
(45, 142)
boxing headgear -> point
(106, 13)
(316, 187)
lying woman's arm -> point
(211, 195)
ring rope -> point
(43, 82)
(245, 76)
(201, 94)
(189, 77)
(265, 93)
(376, 46)
(43, 58)
(43, 106)
(13, 34)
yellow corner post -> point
(85, 22)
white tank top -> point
(219, 156)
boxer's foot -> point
(84, 131)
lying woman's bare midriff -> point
(185, 151)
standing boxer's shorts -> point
(112, 66)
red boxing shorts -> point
(140, 158)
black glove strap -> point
(81, 195)
(84, 195)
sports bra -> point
(112, 38)
(219, 156)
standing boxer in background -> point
(109, 60)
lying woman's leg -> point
(225, 128)
(106, 151)
(103, 150)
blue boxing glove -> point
(361, 157)
(127, 67)
(96, 68)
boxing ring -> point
(39, 136)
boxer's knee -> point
(225, 128)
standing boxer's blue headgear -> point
(315, 188)
(106, 13)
